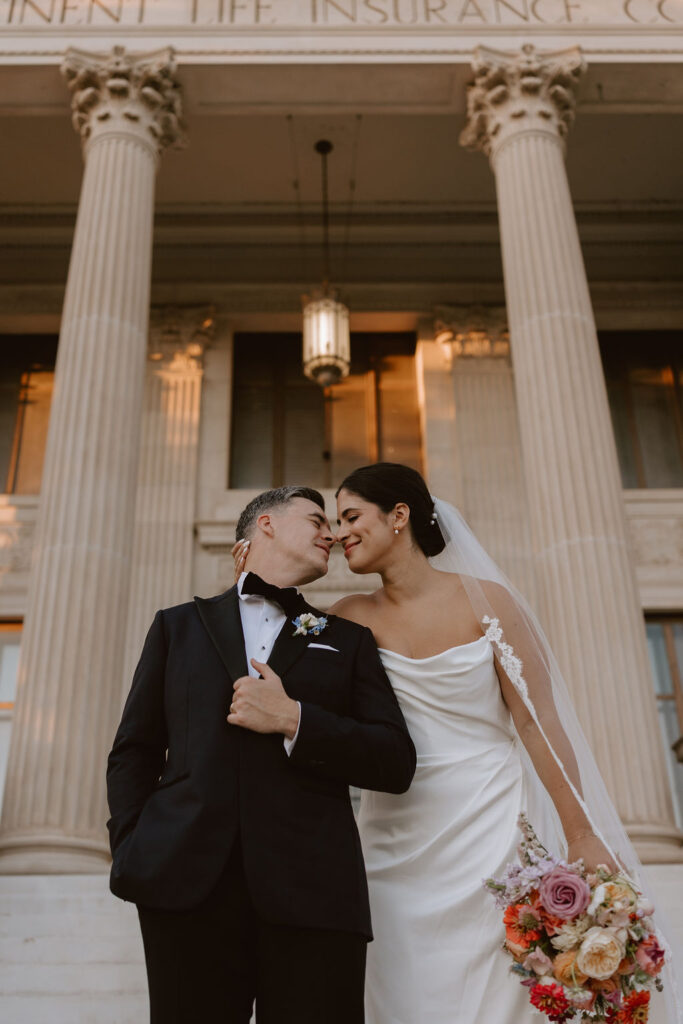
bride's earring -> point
(396, 531)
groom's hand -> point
(262, 704)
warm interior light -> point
(327, 343)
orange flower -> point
(522, 924)
(636, 1009)
(566, 971)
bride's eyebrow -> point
(345, 513)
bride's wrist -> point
(586, 833)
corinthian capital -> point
(136, 94)
(527, 91)
(179, 337)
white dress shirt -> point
(262, 621)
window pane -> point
(677, 629)
(399, 417)
(286, 429)
(32, 431)
(10, 385)
(26, 374)
(641, 368)
(623, 434)
(10, 639)
(668, 721)
(351, 414)
(304, 436)
(251, 464)
(660, 660)
(654, 412)
(666, 704)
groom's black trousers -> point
(209, 964)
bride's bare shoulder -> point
(358, 608)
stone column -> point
(487, 448)
(166, 497)
(126, 110)
(520, 107)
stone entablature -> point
(207, 31)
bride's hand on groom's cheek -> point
(239, 553)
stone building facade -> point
(507, 232)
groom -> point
(231, 825)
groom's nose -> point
(328, 536)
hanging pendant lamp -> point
(327, 344)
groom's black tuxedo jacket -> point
(183, 784)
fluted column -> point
(487, 446)
(520, 107)
(126, 110)
(167, 475)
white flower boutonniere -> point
(308, 623)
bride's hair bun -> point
(386, 484)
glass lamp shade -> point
(327, 344)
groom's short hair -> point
(269, 500)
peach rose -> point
(613, 903)
(566, 971)
(600, 954)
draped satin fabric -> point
(437, 954)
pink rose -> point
(650, 955)
(564, 894)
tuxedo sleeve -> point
(139, 752)
(371, 747)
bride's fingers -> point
(239, 552)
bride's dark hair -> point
(386, 484)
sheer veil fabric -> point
(524, 654)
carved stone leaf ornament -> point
(140, 90)
(527, 90)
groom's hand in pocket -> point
(262, 704)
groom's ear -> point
(264, 523)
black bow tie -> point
(289, 598)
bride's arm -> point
(581, 840)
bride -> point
(495, 734)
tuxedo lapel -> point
(221, 619)
(288, 648)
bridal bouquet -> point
(584, 944)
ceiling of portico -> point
(422, 207)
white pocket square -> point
(324, 647)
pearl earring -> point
(396, 531)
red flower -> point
(550, 999)
(636, 1009)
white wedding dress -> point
(437, 955)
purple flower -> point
(564, 894)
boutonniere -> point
(308, 623)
